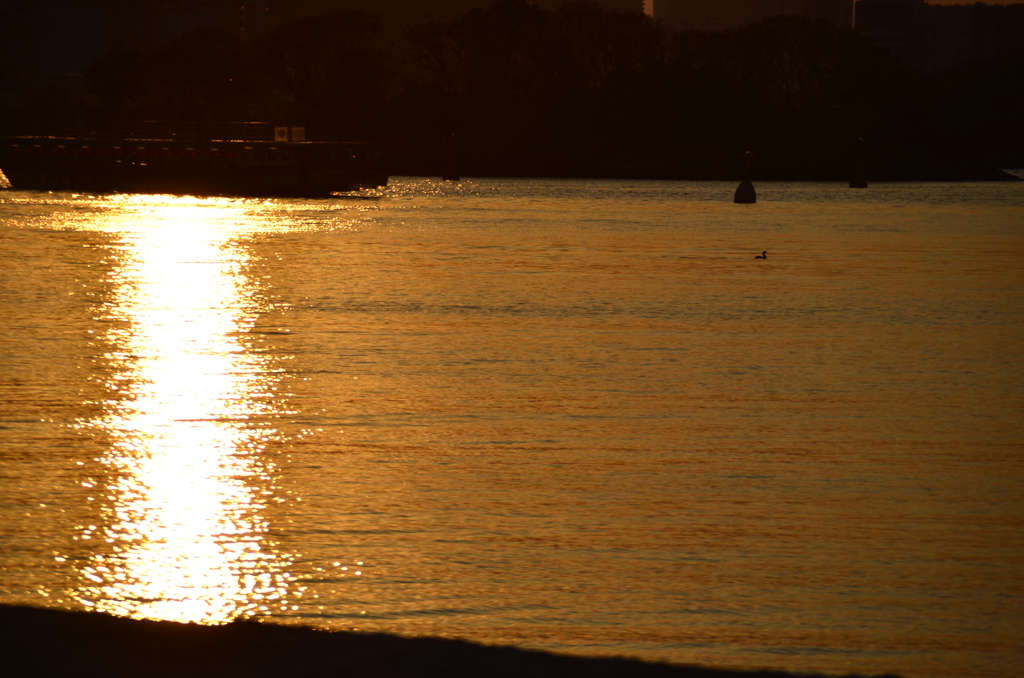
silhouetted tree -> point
(539, 87)
(577, 90)
(335, 71)
(198, 76)
(115, 80)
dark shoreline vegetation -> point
(574, 92)
(43, 642)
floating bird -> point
(762, 255)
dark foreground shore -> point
(39, 642)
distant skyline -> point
(648, 4)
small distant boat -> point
(156, 161)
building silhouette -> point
(418, 11)
(899, 26)
(936, 38)
(62, 37)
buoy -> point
(451, 173)
(858, 180)
(745, 193)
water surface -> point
(571, 415)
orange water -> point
(568, 415)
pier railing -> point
(163, 130)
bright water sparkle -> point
(573, 415)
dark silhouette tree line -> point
(580, 91)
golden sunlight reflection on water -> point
(183, 538)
